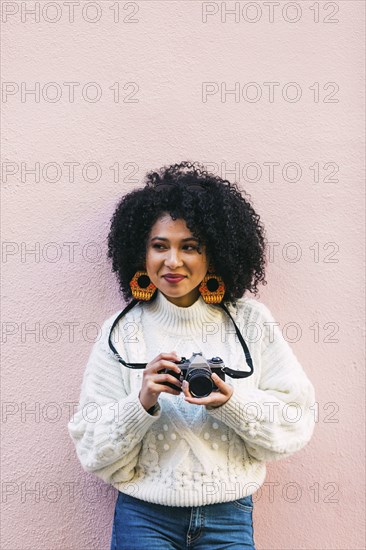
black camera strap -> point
(230, 372)
(129, 365)
(239, 373)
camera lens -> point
(200, 383)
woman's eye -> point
(188, 247)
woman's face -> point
(173, 250)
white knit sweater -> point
(184, 454)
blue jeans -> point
(140, 525)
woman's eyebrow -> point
(183, 240)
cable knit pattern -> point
(189, 455)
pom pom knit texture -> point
(184, 454)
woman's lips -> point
(172, 279)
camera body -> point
(197, 371)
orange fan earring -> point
(212, 288)
(141, 286)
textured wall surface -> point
(120, 88)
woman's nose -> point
(173, 258)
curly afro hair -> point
(215, 212)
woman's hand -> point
(215, 399)
(153, 382)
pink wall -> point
(313, 210)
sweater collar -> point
(175, 318)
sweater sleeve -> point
(275, 419)
(109, 423)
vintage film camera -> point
(197, 371)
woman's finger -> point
(185, 388)
(162, 364)
(221, 385)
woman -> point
(187, 456)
